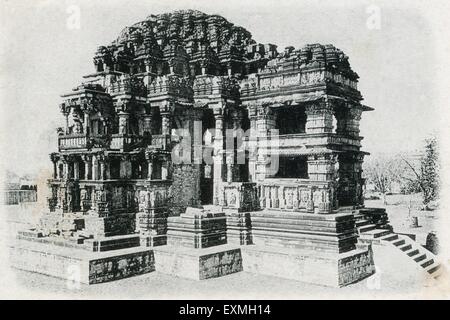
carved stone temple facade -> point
(135, 190)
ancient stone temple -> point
(194, 150)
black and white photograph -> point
(211, 150)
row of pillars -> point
(319, 119)
(95, 169)
(124, 127)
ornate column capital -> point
(319, 107)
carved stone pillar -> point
(123, 122)
(218, 116)
(265, 119)
(102, 168)
(348, 119)
(65, 168)
(252, 142)
(149, 157)
(54, 158)
(350, 179)
(229, 172)
(319, 118)
(354, 116)
(229, 162)
(165, 123)
(252, 114)
(86, 123)
(322, 167)
(76, 170)
(148, 123)
(164, 170)
(218, 156)
(65, 110)
(94, 168)
(55, 172)
(87, 166)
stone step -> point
(413, 252)
(427, 263)
(399, 242)
(420, 258)
(434, 269)
(406, 247)
(390, 237)
(366, 228)
(376, 233)
(362, 222)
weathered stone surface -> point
(198, 264)
(335, 270)
(239, 228)
(185, 190)
(80, 265)
(332, 232)
(197, 228)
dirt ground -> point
(401, 207)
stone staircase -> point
(416, 252)
(370, 233)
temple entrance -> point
(206, 184)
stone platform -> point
(197, 228)
(77, 241)
(239, 227)
(78, 264)
(198, 264)
(320, 268)
(334, 233)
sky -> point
(397, 59)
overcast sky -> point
(41, 58)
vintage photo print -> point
(224, 150)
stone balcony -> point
(124, 141)
(72, 141)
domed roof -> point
(184, 27)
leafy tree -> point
(427, 175)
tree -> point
(427, 175)
(381, 171)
